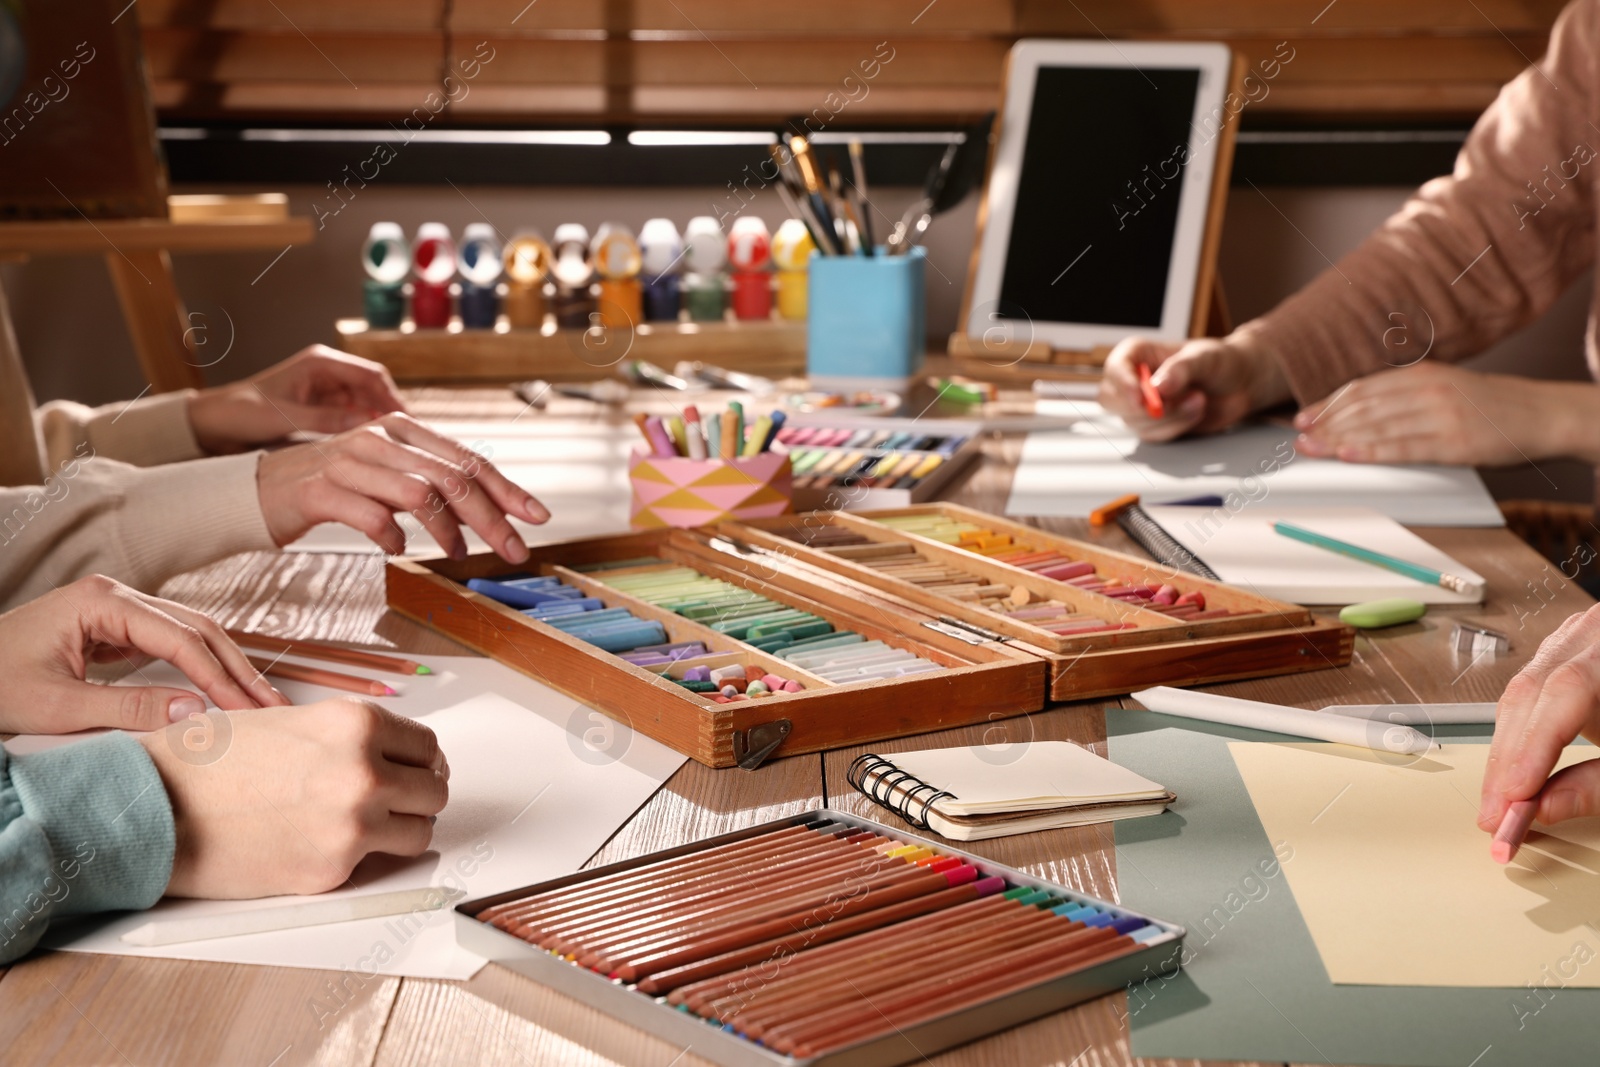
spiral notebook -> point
(967, 794)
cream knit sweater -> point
(118, 490)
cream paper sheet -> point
(1394, 878)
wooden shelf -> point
(774, 348)
(81, 237)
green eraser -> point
(1377, 613)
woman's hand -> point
(363, 477)
(1550, 702)
(1436, 413)
(289, 800)
(1206, 385)
(46, 646)
(317, 390)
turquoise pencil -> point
(1426, 575)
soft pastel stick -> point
(512, 595)
(1513, 828)
(757, 439)
(695, 431)
(729, 447)
(660, 442)
(678, 433)
(775, 426)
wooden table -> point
(70, 1008)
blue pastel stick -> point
(588, 603)
(510, 595)
(778, 419)
(1128, 924)
(535, 581)
(582, 619)
(625, 638)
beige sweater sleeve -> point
(1473, 256)
(145, 432)
(141, 525)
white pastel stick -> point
(1419, 714)
(1276, 718)
(291, 916)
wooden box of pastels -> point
(1104, 621)
(751, 641)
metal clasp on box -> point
(751, 747)
(963, 631)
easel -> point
(138, 253)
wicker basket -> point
(1568, 535)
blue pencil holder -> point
(865, 326)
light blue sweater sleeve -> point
(85, 827)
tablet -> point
(1094, 221)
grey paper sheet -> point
(1254, 987)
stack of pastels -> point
(905, 563)
(1049, 563)
(807, 640)
(570, 610)
(825, 457)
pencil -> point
(647, 879)
(665, 980)
(317, 676)
(1426, 575)
(668, 944)
(753, 886)
(350, 657)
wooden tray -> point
(982, 680)
(989, 673)
(1264, 637)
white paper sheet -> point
(1245, 551)
(1070, 472)
(538, 784)
(579, 470)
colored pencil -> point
(645, 877)
(350, 657)
(882, 890)
(708, 896)
(317, 676)
(1426, 575)
(833, 930)
(950, 991)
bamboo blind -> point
(733, 62)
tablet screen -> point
(1097, 195)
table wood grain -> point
(68, 1008)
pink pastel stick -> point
(1513, 828)
(1064, 571)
